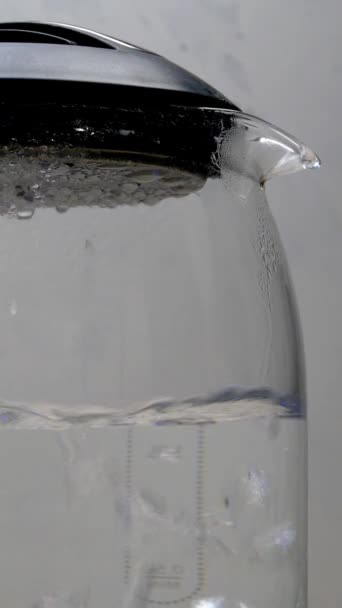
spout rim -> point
(261, 150)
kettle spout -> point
(260, 150)
(294, 157)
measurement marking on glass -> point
(165, 500)
(129, 456)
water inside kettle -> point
(196, 514)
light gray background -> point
(281, 61)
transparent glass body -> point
(153, 440)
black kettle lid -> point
(66, 62)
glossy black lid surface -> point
(63, 62)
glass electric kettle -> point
(152, 408)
